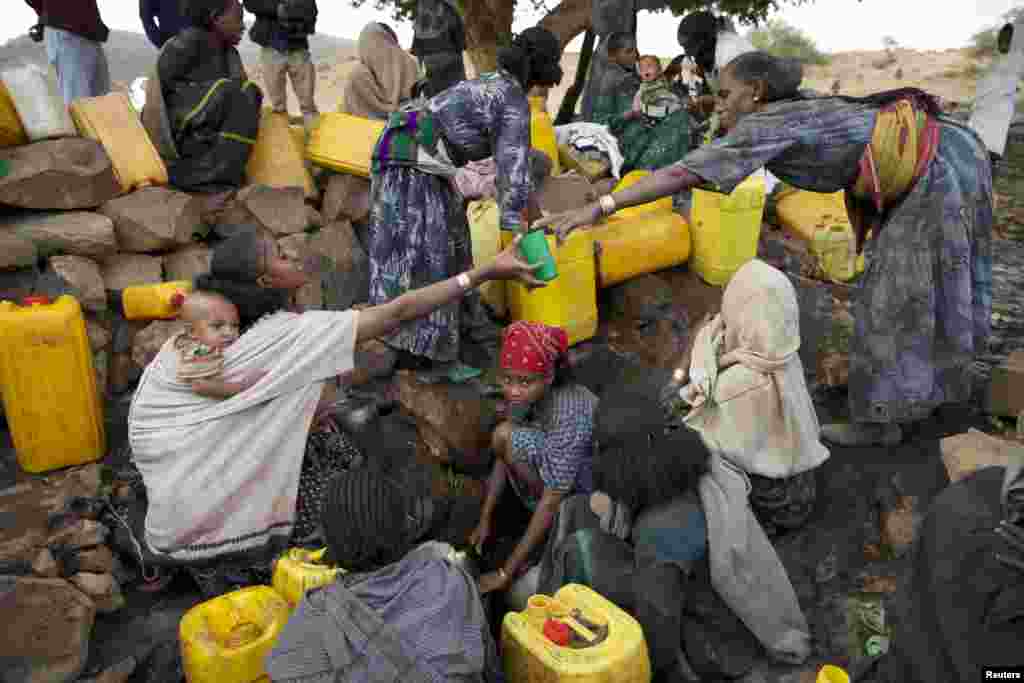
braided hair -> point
(533, 58)
(237, 264)
(641, 458)
(364, 520)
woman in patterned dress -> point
(544, 449)
(418, 230)
(918, 183)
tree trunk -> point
(488, 25)
(569, 19)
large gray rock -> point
(150, 340)
(186, 263)
(342, 264)
(84, 280)
(79, 233)
(16, 252)
(103, 589)
(282, 211)
(126, 270)
(47, 624)
(99, 332)
(31, 503)
(65, 174)
(347, 198)
(155, 219)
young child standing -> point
(282, 29)
(211, 326)
(655, 100)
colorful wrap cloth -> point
(196, 360)
(411, 138)
(902, 147)
(533, 347)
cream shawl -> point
(750, 404)
(382, 79)
(222, 475)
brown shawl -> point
(383, 77)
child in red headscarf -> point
(544, 449)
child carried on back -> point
(211, 325)
(655, 100)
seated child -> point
(211, 326)
(655, 100)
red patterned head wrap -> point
(533, 347)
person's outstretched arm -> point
(664, 182)
(384, 319)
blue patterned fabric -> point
(924, 302)
(557, 453)
(418, 231)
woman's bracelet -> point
(607, 203)
(464, 282)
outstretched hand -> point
(564, 223)
(507, 265)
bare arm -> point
(380, 320)
(662, 183)
(536, 532)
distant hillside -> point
(131, 54)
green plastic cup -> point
(534, 248)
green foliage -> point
(749, 12)
(405, 10)
(782, 40)
(983, 43)
(744, 11)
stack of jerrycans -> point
(48, 381)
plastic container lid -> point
(557, 632)
(36, 300)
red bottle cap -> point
(36, 300)
(556, 632)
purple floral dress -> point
(925, 299)
(418, 231)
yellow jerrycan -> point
(227, 639)
(635, 245)
(112, 121)
(160, 301)
(275, 161)
(725, 229)
(807, 215)
(663, 204)
(835, 248)
(300, 570)
(542, 132)
(12, 133)
(570, 300)
(600, 642)
(49, 387)
(344, 143)
(832, 674)
(485, 232)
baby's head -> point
(211, 319)
(649, 67)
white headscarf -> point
(752, 408)
(747, 388)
